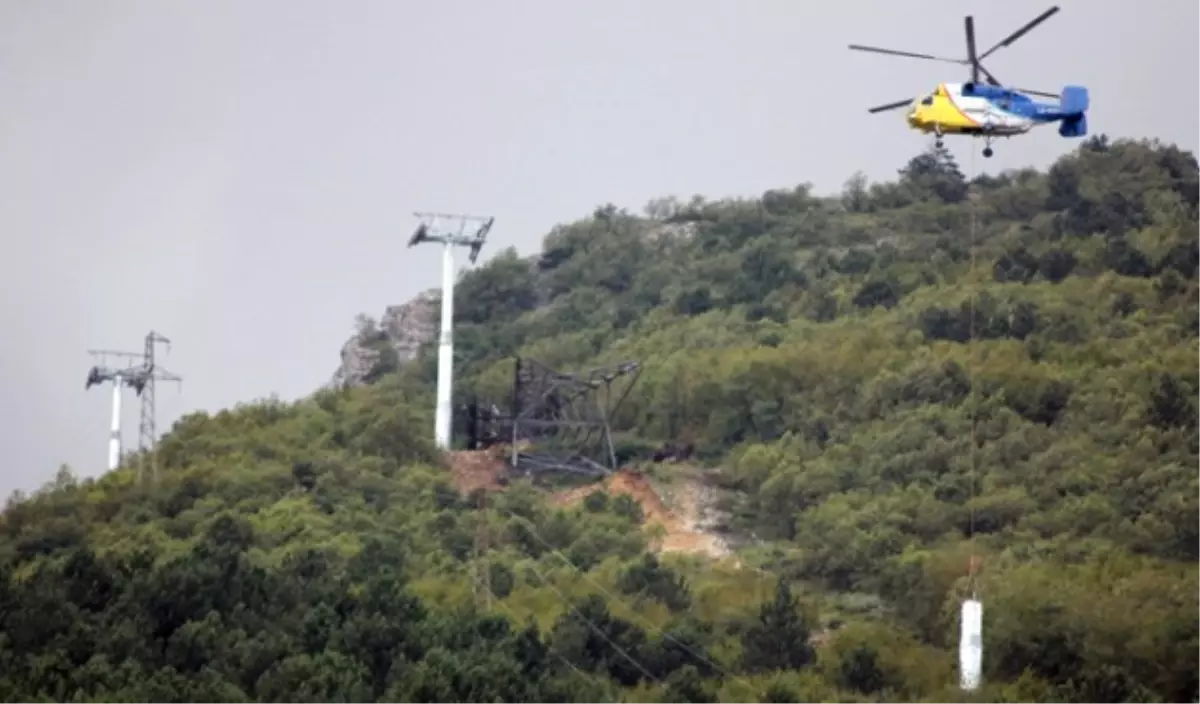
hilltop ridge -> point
(883, 386)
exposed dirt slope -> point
(680, 524)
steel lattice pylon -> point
(141, 377)
(565, 414)
(147, 426)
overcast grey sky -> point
(240, 174)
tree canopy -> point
(909, 391)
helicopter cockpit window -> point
(927, 100)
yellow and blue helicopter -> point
(987, 108)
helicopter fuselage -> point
(956, 108)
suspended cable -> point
(970, 649)
(596, 629)
(484, 581)
(664, 634)
(561, 658)
(570, 606)
(972, 298)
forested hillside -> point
(890, 384)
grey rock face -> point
(413, 324)
(405, 328)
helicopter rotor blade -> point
(1020, 32)
(988, 74)
(969, 23)
(992, 80)
(1040, 93)
(890, 106)
(909, 54)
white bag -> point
(970, 645)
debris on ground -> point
(477, 469)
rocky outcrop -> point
(412, 325)
(395, 340)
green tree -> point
(778, 639)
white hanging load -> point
(970, 645)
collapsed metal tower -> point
(563, 417)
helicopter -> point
(987, 108)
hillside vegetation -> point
(892, 384)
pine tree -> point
(935, 173)
(778, 640)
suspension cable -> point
(648, 624)
(589, 678)
(972, 307)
